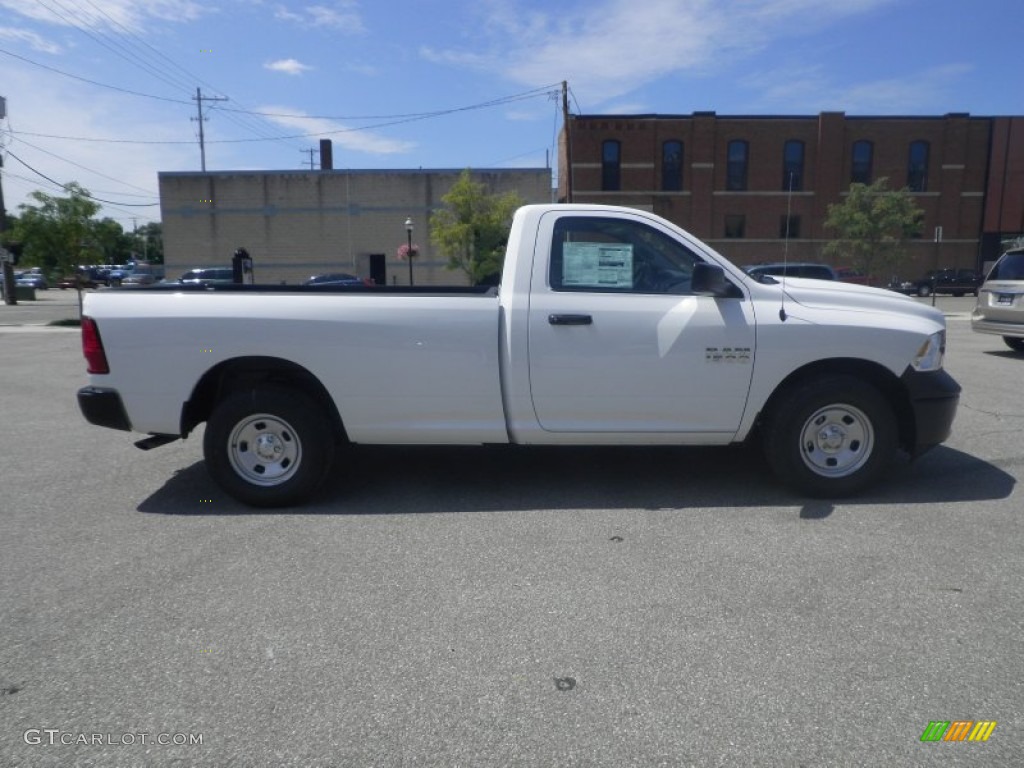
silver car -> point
(1000, 306)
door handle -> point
(570, 319)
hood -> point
(835, 295)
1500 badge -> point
(727, 355)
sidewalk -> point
(50, 305)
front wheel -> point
(268, 446)
(924, 291)
(831, 436)
(1014, 343)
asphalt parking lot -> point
(479, 607)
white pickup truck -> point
(611, 326)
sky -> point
(102, 92)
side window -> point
(611, 158)
(617, 256)
(861, 157)
(737, 155)
(917, 166)
(672, 166)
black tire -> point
(830, 437)
(268, 446)
(1014, 343)
(924, 291)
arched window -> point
(793, 165)
(861, 157)
(917, 166)
(611, 163)
(672, 166)
(736, 165)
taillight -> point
(92, 347)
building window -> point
(735, 225)
(860, 162)
(736, 167)
(789, 227)
(793, 165)
(611, 152)
(917, 166)
(672, 166)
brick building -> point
(741, 182)
(296, 224)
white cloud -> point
(287, 66)
(36, 42)
(342, 15)
(809, 89)
(349, 137)
(609, 48)
(110, 14)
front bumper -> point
(934, 397)
(103, 407)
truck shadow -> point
(404, 480)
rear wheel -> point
(830, 436)
(1014, 343)
(268, 446)
(924, 291)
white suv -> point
(1000, 306)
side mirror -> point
(709, 280)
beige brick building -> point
(296, 224)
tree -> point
(472, 229)
(57, 234)
(873, 224)
(149, 242)
(111, 242)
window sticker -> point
(597, 265)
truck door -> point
(619, 343)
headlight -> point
(929, 356)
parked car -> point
(954, 281)
(33, 280)
(1000, 305)
(118, 273)
(206, 275)
(139, 278)
(338, 278)
(84, 277)
(795, 269)
(851, 275)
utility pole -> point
(8, 268)
(199, 99)
(311, 153)
(568, 142)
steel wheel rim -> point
(264, 450)
(836, 441)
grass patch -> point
(68, 322)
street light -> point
(408, 254)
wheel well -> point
(231, 375)
(879, 377)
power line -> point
(293, 115)
(149, 193)
(93, 82)
(89, 195)
(389, 123)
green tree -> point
(149, 242)
(873, 225)
(57, 233)
(110, 241)
(472, 228)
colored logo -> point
(958, 730)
